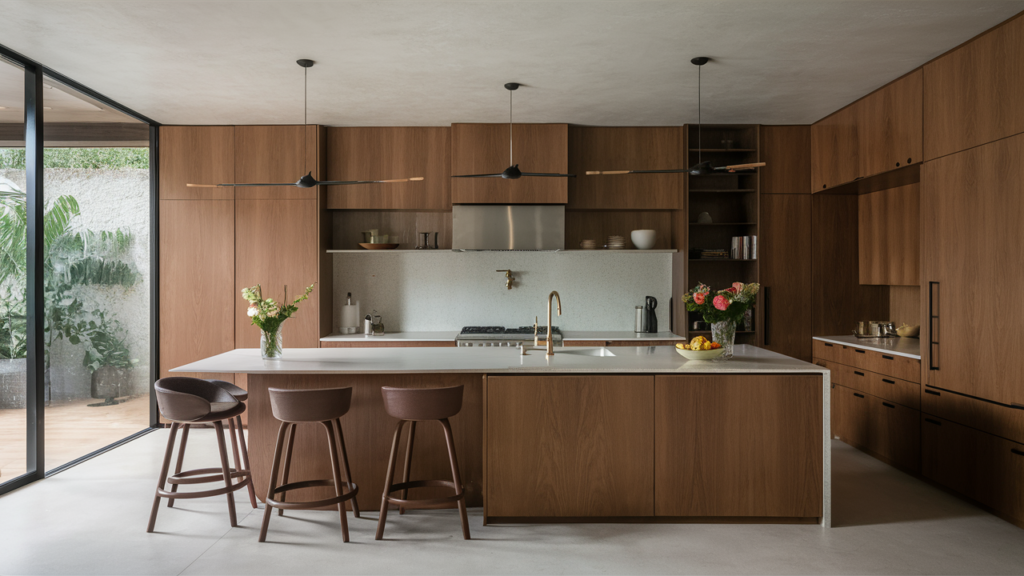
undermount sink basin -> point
(596, 352)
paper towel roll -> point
(350, 318)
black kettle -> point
(650, 322)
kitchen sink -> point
(596, 352)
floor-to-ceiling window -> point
(13, 238)
(77, 218)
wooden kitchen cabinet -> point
(971, 231)
(980, 466)
(889, 223)
(879, 385)
(990, 417)
(738, 446)
(973, 94)
(616, 148)
(835, 149)
(889, 126)
(787, 152)
(389, 153)
(884, 429)
(785, 262)
(275, 154)
(569, 446)
(196, 155)
(484, 149)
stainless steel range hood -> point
(508, 227)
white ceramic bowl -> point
(643, 239)
(700, 354)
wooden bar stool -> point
(186, 401)
(326, 407)
(414, 405)
(241, 395)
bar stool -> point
(241, 395)
(186, 401)
(414, 405)
(326, 407)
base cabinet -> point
(738, 446)
(884, 429)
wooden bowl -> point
(908, 331)
(378, 246)
(700, 354)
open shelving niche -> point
(732, 201)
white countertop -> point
(394, 337)
(908, 347)
(647, 359)
(598, 335)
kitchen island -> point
(587, 434)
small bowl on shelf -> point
(643, 239)
(370, 246)
(908, 331)
(700, 354)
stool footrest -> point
(350, 494)
(425, 503)
(204, 494)
(215, 475)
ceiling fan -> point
(701, 168)
(308, 181)
(513, 172)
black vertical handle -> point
(767, 325)
(933, 317)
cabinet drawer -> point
(886, 430)
(983, 467)
(897, 366)
(987, 416)
(885, 387)
(833, 352)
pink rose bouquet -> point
(728, 304)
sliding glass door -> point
(13, 261)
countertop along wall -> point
(430, 290)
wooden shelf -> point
(722, 260)
(707, 191)
(723, 149)
(723, 223)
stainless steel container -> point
(639, 327)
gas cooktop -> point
(501, 336)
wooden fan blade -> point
(416, 179)
(549, 175)
(606, 172)
(750, 166)
(260, 184)
(478, 176)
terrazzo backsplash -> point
(434, 290)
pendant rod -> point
(510, 128)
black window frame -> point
(35, 204)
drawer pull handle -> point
(858, 373)
(930, 421)
(827, 345)
(858, 395)
(1017, 452)
(887, 405)
(933, 393)
(933, 316)
(887, 357)
(887, 381)
(859, 351)
(1017, 406)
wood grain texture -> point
(597, 225)
(368, 432)
(348, 227)
(787, 152)
(738, 446)
(570, 446)
(838, 298)
(835, 149)
(196, 155)
(905, 305)
(971, 211)
(853, 424)
(619, 148)
(784, 249)
(973, 95)
(387, 153)
(274, 154)
(401, 344)
(889, 126)
(889, 224)
(484, 149)
(197, 281)
(883, 386)
(276, 246)
(975, 464)
(325, 274)
(988, 417)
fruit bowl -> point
(700, 354)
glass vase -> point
(271, 345)
(724, 333)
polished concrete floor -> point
(92, 519)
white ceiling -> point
(437, 62)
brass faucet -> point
(548, 340)
(509, 278)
